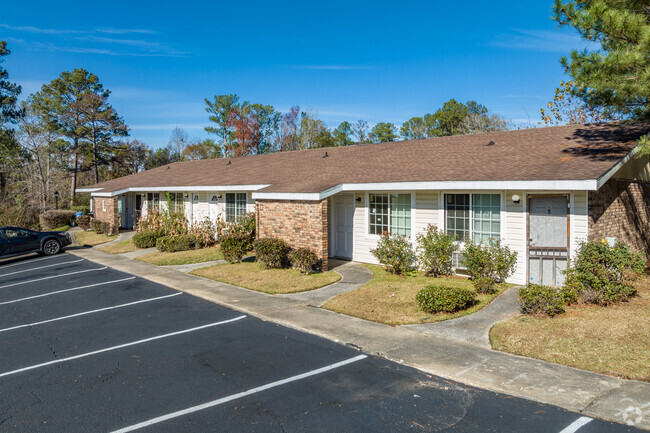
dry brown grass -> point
(613, 340)
(252, 276)
(120, 247)
(390, 299)
(182, 257)
(91, 238)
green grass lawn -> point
(91, 238)
(182, 257)
(273, 281)
(612, 340)
(120, 247)
(390, 299)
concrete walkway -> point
(619, 400)
(352, 275)
(475, 328)
(137, 253)
(123, 236)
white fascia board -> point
(496, 185)
(224, 188)
(307, 196)
(612, 171)
(88, 189)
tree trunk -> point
(75, 169)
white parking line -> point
(52, 276)
(90, 312)
(42, 267)
(121, 346)
(575, 425)
(28, 261)
(65, 290)
(238, 395)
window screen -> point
(400, 214)
(153, 201)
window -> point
(389, 213)
(175, 201)
(235, 205)
(16, 233)
(478, 215)
(486, 219)
(153, 201)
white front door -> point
(343, 226)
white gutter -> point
(541, 185)
(171, 189)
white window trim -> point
(502, 210)
(367, 212)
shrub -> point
(602, 274)
(433, 299)
(84, 222)
(147, 238)
(245, 226)
(205, 231)
(271, 253)
(303, 259)
(435, 248)
(535, 299)
(96, 226)
(395, 252)
(56, 218)
(172, 244)
(234, 246)
(491, 260)
(484, 285)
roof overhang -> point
(97, 192)
(540, 185)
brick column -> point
(105, 210)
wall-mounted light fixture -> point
(186, 195)
(359, 199)
(220, 197)
(515, 198)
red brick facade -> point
(621, 208)
(105, 210)
(302, 224)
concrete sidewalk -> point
(592, 394)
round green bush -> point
(535, 299)
(395, 252)
(484, 285)
(173, 244)
(233, 246)
(303, 259)
(147, 238)
(271, 253)
(434, 299)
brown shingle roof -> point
(574, 152)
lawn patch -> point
(610, 340)
(390, 299)
(182, 257)
(120, 247)
(252, 276)
(91, 238)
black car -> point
(16, 240)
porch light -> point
(186, 195)
(358, 198)
(56, 199)
(515, 198)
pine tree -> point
(616, 77)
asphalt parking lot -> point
(89, 349)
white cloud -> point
(542, 40)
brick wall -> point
(621, 208)
(105, 210)
(302, 224)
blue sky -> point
(377, 61)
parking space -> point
(87, 348)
